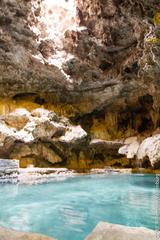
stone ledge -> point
(107, 231)
(9, 164)
(9, 170)
(9, 234)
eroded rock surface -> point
(109, 52)
(41, 135)
(150, 148)
(45, 139)
(96, 62)
(146, 150)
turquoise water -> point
(71, 208)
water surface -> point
(71, 208)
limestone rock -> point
(37, 151)
(9, 164)
(7, 139)
(46, 129)
(150, 148)
(39, 136)
(130, 148)
(74, 135)
(9, 234)
(95, 60)
(17, 119)
(41, 112)
(108, 59)
(107, 231)
(110, 147)
(9, 170)
(43, 175)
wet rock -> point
(9, 164)
(43, 175)
(105, 231)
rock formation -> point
(44, 139)
(39, 136)
(9, 170)
(147, 151)
(105, 231)
(95, 62)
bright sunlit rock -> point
(54, 19)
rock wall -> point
(44, 139)
(114, 58)
(95, 62)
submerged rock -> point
(9, 234)
(107, 231)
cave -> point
(89, 64)
(79, 119)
